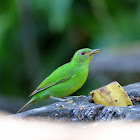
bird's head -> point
(85, 55)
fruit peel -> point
(111, 95)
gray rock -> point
(113, 112)
(133, 90)
(80, 109)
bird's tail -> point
(27, 105)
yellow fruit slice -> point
(111, 95)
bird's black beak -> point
(92, 52)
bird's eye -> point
(83, 53)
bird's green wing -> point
(60, 75)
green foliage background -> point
(37, 36)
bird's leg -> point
(66, 99)
(74, 97)
(58, 99)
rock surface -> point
(80, 109)
(74, 109)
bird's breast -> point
(80, 75)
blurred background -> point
(37, 36)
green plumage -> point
(66, 79)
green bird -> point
(66, 79)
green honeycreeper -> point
(66, 79)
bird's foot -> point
(58, 99)
(73, 97)
(69, 100)
(66, 99)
